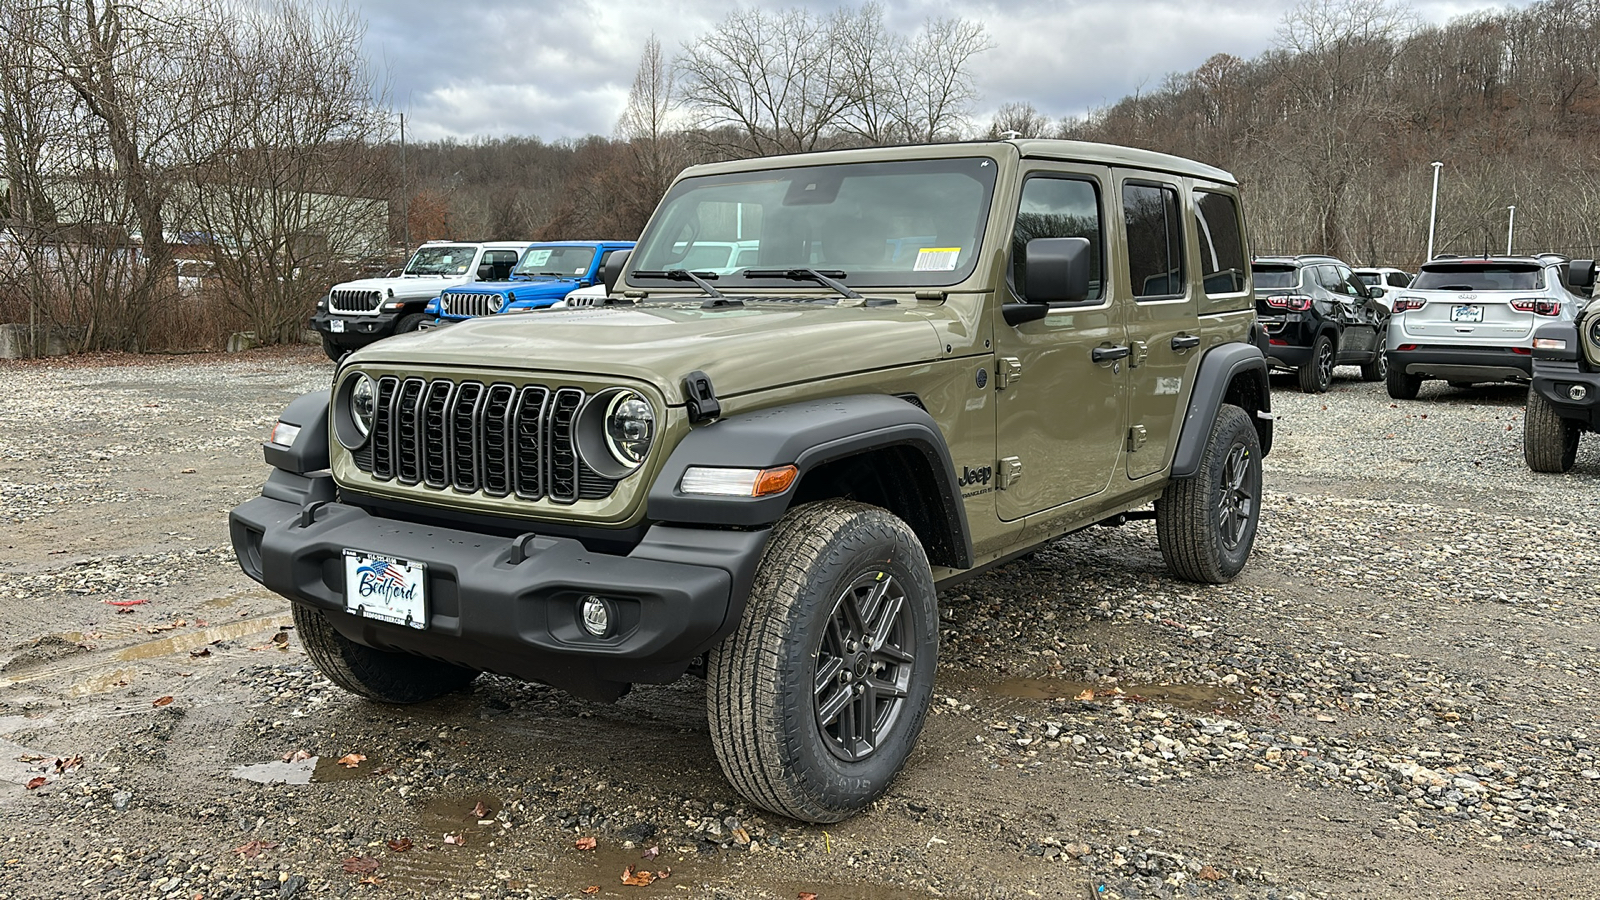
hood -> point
(403, 286)
(742, 349)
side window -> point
(1222, 256)
(1328, 278)
(1155, 240)
(502, 260)
(1399, 279)
(1054, 207)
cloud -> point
(561, 70)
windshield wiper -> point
(825, 278)
(682, 275)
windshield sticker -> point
(936, 259)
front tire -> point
(1316, 376)
(1549, 442)
(333, 351)
(374, 674)
(1378, 369)
(818, 696)
(1206, 524)
(409, 323)
(1402, 386)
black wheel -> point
(1460, 385)
(409, 323)
(1206, 523)
(375, 674)
(1549, 442)
(1316, 376)
(1403, 386)
(818, 696)
(334, 351)
(1378, 369)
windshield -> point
(441, 260)
(913, 223)
(1479, 277)
(567, 262)
(1274, 278)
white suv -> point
(1469, 320)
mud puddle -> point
(311, 770)
(88, 661)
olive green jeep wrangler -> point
(939, 359)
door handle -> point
(1186, 342)
(1109, 354)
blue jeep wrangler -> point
(546, 274)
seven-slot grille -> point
(496, 439)
(354, 301)
(470, 304)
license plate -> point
(1466, 314)
(336, 326)
(385, 588)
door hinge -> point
(1137, 435)
(1010, 472)
(1139, 351)
(1007, 371)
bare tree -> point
(937, 87)
(656, 151)
(1018, 120)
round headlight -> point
(630, 426)
(496, 304)
(363, 403)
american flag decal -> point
(384, 573)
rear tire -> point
(1549, 442)
(817, 697)
(1403, 386)
(1316, 376)
(374, 674)
(1206, 524)
(1377, 370)
(334, 351)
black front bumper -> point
(676, 594)
(1463, 363)
(359, 331)
(1555, 379)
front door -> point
(1060, 412)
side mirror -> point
(1580, 273)
(1057, 270)
(611, 271)
(486, 272)
(1375, 292)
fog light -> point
(1577, 392)
(596, 615)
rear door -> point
(1163, 315)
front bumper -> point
(359, 331)
(1463, 363)
(676, 594)
(1554, 380)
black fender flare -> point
(1218, 368)
(806, 435)
(309, 453)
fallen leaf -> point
(253, 849)
(1085, 694)
(652, 853)
(280, 638)
(457, 839)
(297, 755)
(352, 760)
(1210, 873)
(161, 701)
(123, 612)
(37, 782)
(585, 843)
(636, 879)
(125, 602)
(592, 889)
(401, 846)
(371, 879)
(360, 865)
(203, 651)
(32, 757)
(479, 810)
(185, 471)
(68, 763)
(807, 895)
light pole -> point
(1433, 213)
(1511, 226)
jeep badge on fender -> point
(746, 469)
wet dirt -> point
(1198, 697)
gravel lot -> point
(1393, 700)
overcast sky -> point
(559, 69)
